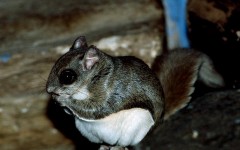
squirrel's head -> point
(76, 79)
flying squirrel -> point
(116, 101)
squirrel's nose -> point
(50, 90)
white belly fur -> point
(124, 128)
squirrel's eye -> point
(67, 76)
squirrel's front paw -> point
(104, 147)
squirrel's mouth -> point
(58, 100)
(59, 97)
(54, 96)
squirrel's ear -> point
(91, 57)
(79, 44)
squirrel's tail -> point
(178, 70)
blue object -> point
(5, 57)
(176, 23)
